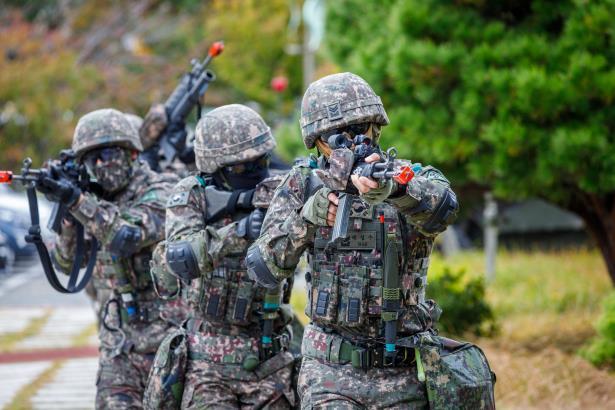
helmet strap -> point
(323, 147)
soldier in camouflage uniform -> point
(392, 227)
(237, 336)
(98, 292)
(127, 220)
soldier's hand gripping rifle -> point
(187, 95)
(382, 170)
(64, 168)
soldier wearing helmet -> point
(238, 336)
(357, 351)
(127, 219)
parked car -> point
(7, 256)
(15, 221)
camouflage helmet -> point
(336, 101)
(228, 135)
(134, 120)
(106, 127)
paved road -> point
(27, 286)
(45, 324)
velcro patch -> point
(178, 199)
(334, 111)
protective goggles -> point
(103, 154)
(248, 167)
(353, 130)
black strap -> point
(34, 236)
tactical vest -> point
(227, 300)
(110, 273)
(345, 283)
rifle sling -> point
(43, 253)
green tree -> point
(516, 96)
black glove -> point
(59, 190)
(250, 226)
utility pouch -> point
(241, 296)
(324, 295)
(353, 296)
(457, 374)
(215, 290)
(165, 384)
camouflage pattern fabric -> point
(230, 134)
(336, 101)
(354, 271)
(122, 379)
(153, 125)
(114, 174)
(228, 386)
(135, 121)
(337, 176)
(226, 339)
(126, 352)
(331, 386)
(105, 127)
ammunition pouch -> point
(165, 384)
(126, 241)
(258, 270)
(182, 260)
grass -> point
(546, 304)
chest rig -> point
(346, 287)
(225, 298)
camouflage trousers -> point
(122, 379)
(341, 386)
(216, 378)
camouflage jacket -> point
(351, 278)
(140, 205)
(223, 296)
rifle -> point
(64, 167)
(187, 94)
(382, 170)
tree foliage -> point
(464, 306)
(63, 59)
(516, 96)
(601, 350)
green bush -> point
(601, 351)
(462, 299)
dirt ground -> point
(542, 370)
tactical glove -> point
(250, 226)
(316, 207)
(378, 195)
(59, 190)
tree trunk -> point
(598, 213)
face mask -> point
(112, 170)
(243, 175)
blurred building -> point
(531, 224)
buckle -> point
(361, 358)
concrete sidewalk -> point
(48, 345)
(41, 358)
